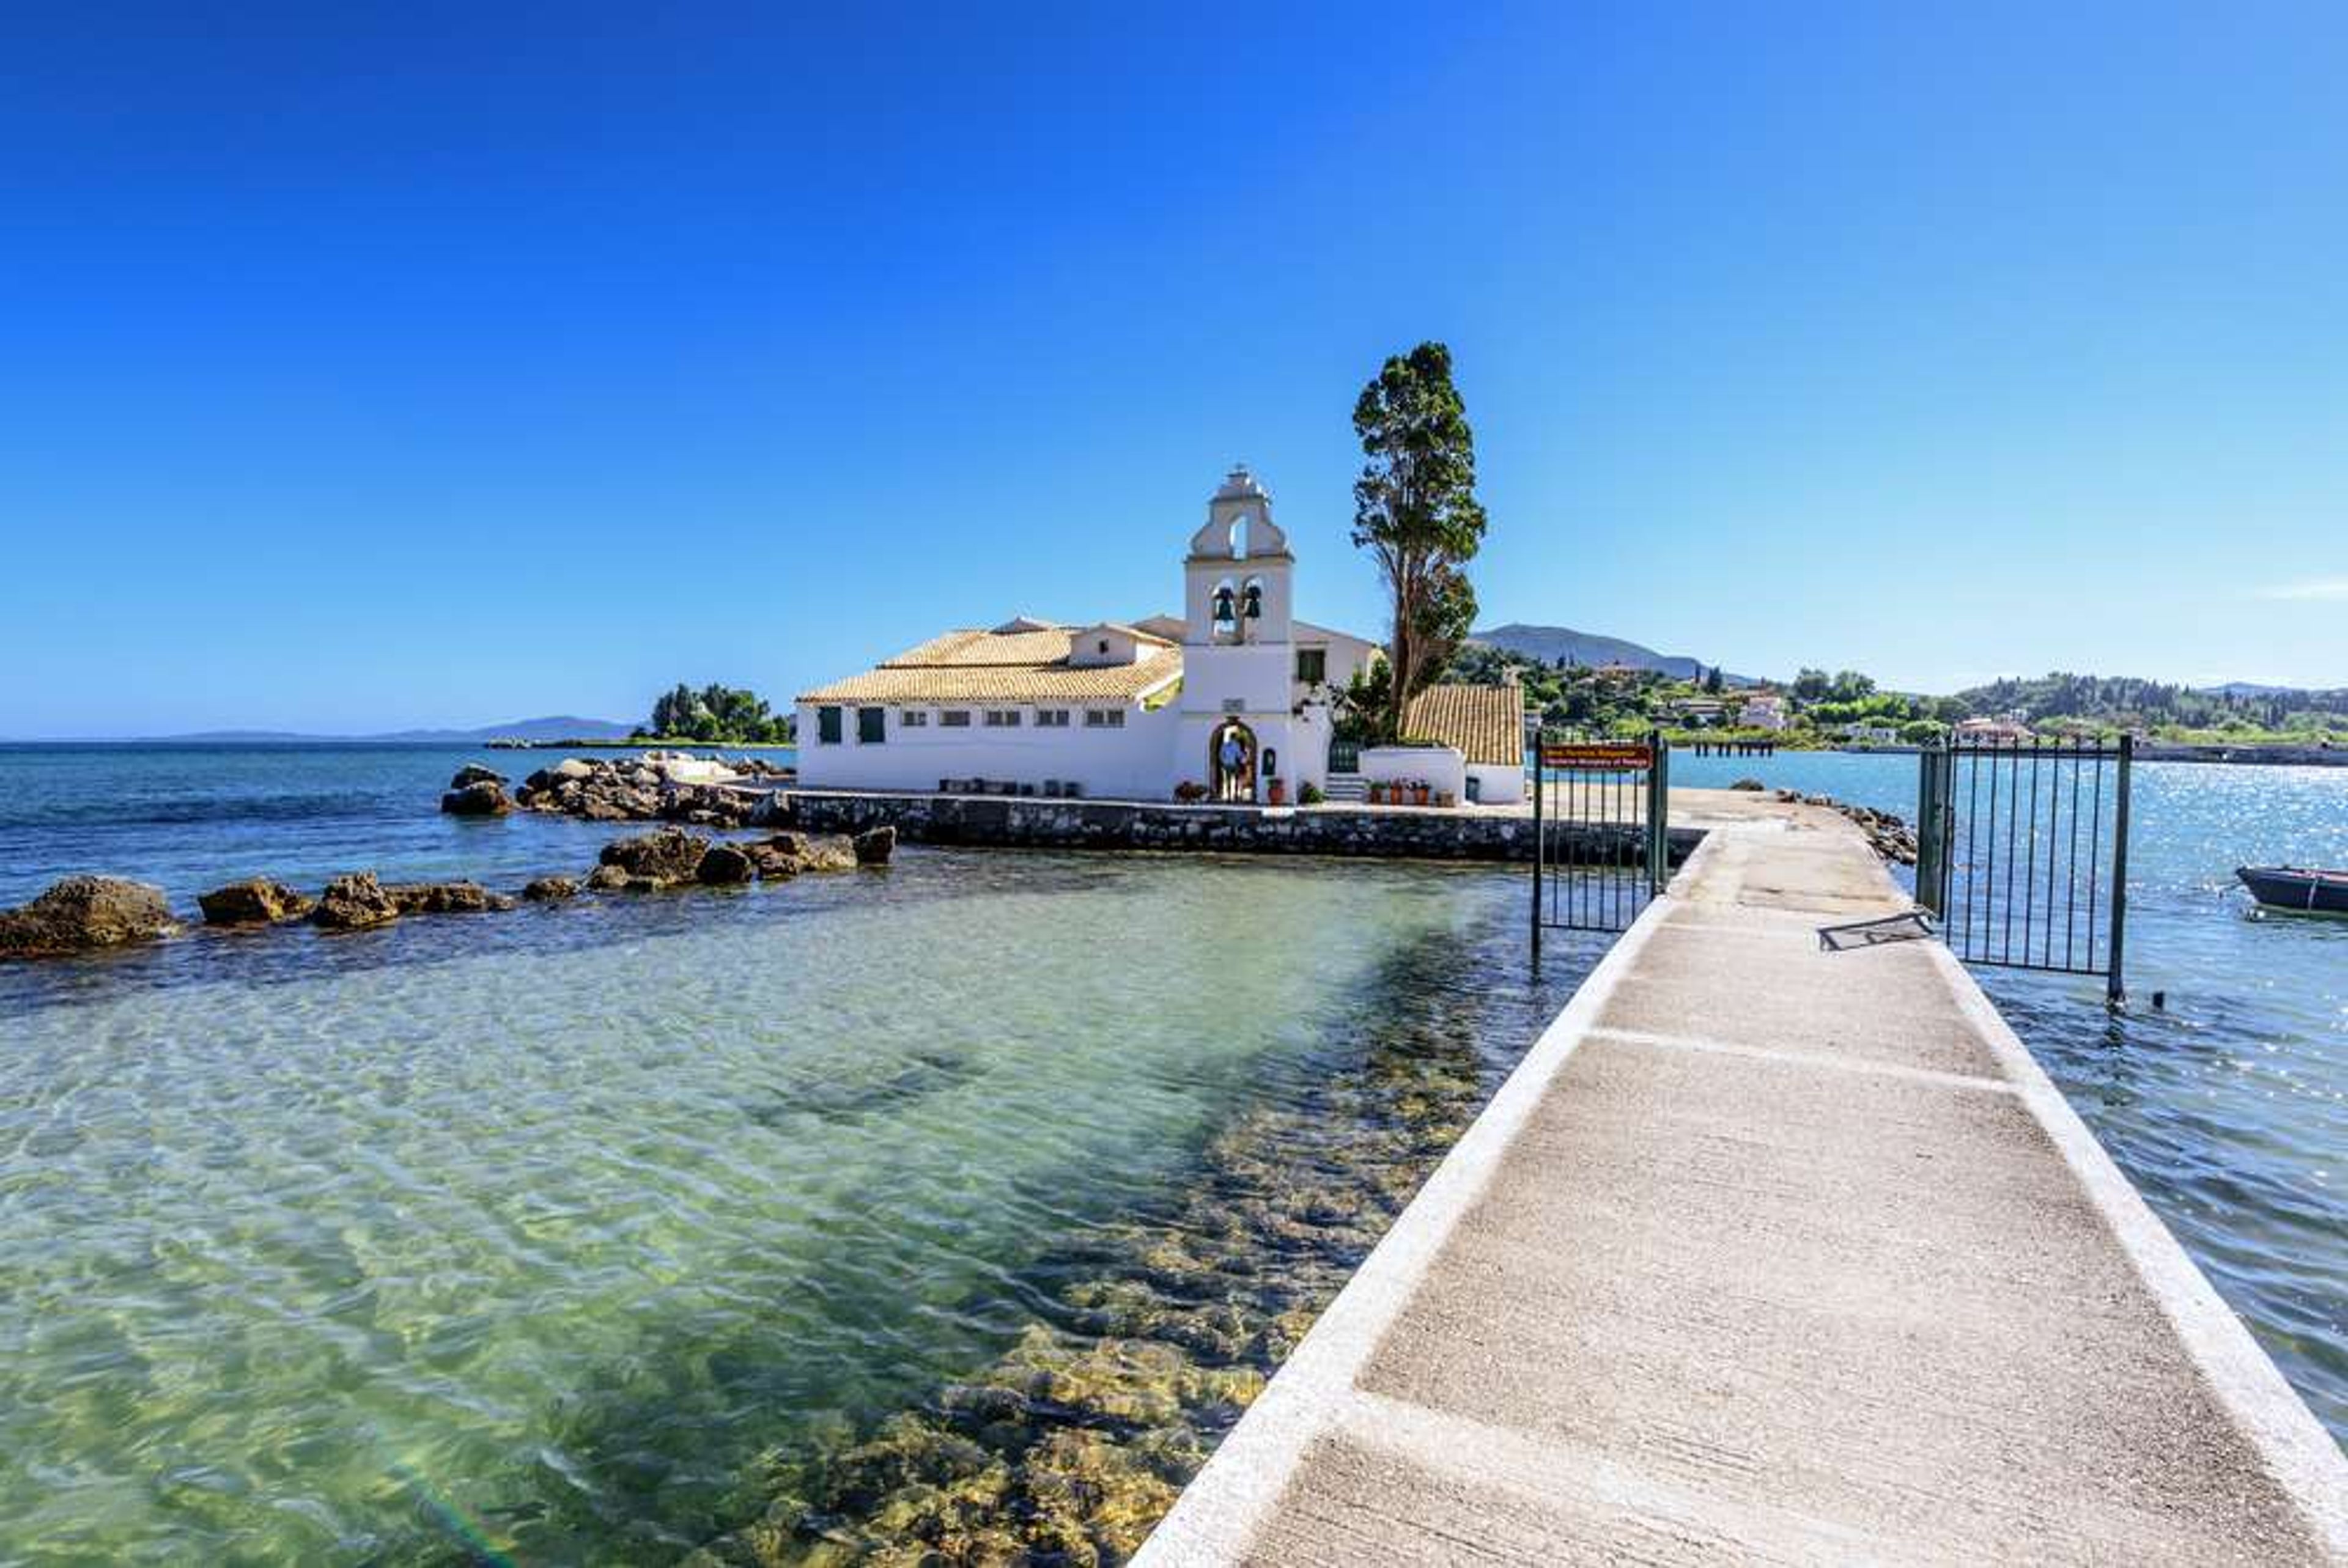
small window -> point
(1102, 646)
(912, 718)
(872, 726)
(1002, 718)
(1104, 718)
(955, 718)
(1313, 665)
(1051, 718)
(827, 726)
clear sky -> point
(364, 367)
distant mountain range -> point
(2252, 689)
(1551, 643)
(555, 727)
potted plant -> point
(1378, 791)
(1418, 792)
(1279, 792)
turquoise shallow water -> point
(545, 1231)
(555, 1234)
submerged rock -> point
(668, 857)
(445, 899)
(725, 865)
(255, 901)
(483, 797)
(874, 846)
(1071, 1442)
(1754, 786)
(79, 913)
(355, 902)
(607, 879)
(551, 889)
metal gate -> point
(1600, 833)
(2022, 853)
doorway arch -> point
(1231, 780)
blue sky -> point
(442, 364)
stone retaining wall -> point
(1024, 823)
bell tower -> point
(1237, 578)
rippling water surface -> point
(613, 1230)
(2228, 1108)
(961, 1204)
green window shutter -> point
(872, 725)
(827, 726)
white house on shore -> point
(1234, 697)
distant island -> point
(553, 727)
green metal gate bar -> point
(2022, 853)
(1602, 832)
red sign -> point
(1600, 758)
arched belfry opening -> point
(1239, 570)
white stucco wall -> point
(1439, 767)
(1128, 764)
(1497, 783)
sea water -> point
(803, 1218)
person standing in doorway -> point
(1230, 755)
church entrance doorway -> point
(1231, 761)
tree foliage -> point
(1414, 511)
(716, 715)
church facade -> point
(1233, 700)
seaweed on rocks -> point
(1070, 1446)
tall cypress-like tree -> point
(1414, 511)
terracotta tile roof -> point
(1487, 722)
(1004, 667)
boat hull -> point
(2291, 891)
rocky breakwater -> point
(1889, 837)
(671, 857)
(359, 901)
(83, 913)
(696, 791)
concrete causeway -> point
(1770, 1254)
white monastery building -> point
(1235, 697)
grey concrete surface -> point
(1767, 1253)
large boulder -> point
(725, 865)
(482, 797)
(668, 857)
(874, 846)
(708, 806)
(84, 912)
(255, 901)
(788, 854)
(445, 899)
(355, 902)
(547, 780)
(551, 889)
(472, 773)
